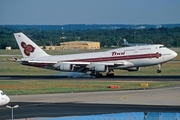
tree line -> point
(169, 37)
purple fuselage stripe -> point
(112, 58)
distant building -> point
(82, 45)
(85, 45)
(50, 48)
(8, 48)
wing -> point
(79, 66)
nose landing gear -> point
(159, 68)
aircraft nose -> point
(7, 99)
(174, 54)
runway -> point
(68, 104)
(115, 78)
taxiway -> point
(68, 104)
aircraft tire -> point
(110, 75)
(158, 71)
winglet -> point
(28, 47)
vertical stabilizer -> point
(28, 47)
(125, 42)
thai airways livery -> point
(4, 99)
(126, 58)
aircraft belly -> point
(146, 62)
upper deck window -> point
(130, 50)
(145, 49)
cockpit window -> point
(162, 47)
(2, 93)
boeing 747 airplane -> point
(4, 99)
(126, 58)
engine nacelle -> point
(133, 69)
(100, 68)
(66, 67)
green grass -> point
(15, 68)
(14, 87)
(10, 52)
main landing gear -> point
(110, 73)
(159, 68)
(98, 74)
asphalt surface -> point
(88, 103)
(68, 104)
(39, 109)
(118, 78)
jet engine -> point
(133, 69)
(100, 68)
(66, 67)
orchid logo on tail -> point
(27, 48)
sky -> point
(61, 12)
